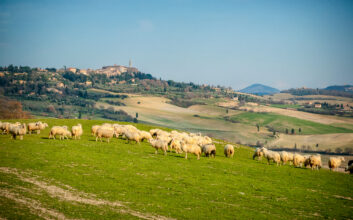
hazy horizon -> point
(282, 44)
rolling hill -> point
(259, 89)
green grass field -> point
(281, 122)
(93, 180)
(285, 106)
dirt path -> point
(69, 195)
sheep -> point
(94, 129)
(258, 153)
(229, 150)
(36, 126)
(159, 144)
(209, 150)
(133, 136)
(315, 161)
(335, 162)
(176, 145)
(4, 126)
(350, 162)
(17, 130)
(59, 130)
(290, 158)
(145, 135)
(105, 133)
(191, 148)
(76, 131)
(271, 155)
(349, 168)
(285, 157)
(298, 160)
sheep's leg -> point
(186, 155)
(21, 137)
(96, 138)
(108, 139)
(156, 152)
(165, 152)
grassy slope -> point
(168, 185)
(281, 122)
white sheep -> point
(159, 144)
(133, 136)
(229, 150)
(17, 130)
(298, 160)
(315, 161)
(145, 135)
(191, 148)
(61, 131)
(104, 132)
(76, 131)
(258, 153)
(271, 156)
(94, 129)
(285, 157)
(335, 162)
(176, 145)
(209, 150)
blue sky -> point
(282, 43)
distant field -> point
(281, 123)
(286, 106)
(84, 179)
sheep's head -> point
(342, 159)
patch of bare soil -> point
(71, 195)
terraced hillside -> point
(45, 178)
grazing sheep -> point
(306, 161)
(4, 127)
(315, 161)
(258, 153)
(349, 168)
(61, 131)
(103, 132)
(36, 126)
(94, 129)
(17, 130)
(271, 155)
(350, 162)
(298, 160)
(133, 136)
(335, 162)
(159, 144)
(285, 157)
(176, 145)
(191, 148)
(290, 158)
(209, 150)
(77, 131)
(145, 135)
(229, 150)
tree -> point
(300, 130)
(137, 114)
(274, 133)
(135, 120)
(227, 111)
(292, 131)
(287, 131)
(295, 146)
(317, 146)
(258, 127)
(79, 115)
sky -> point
(283, 44)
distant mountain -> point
(345, 88)
(259, 89)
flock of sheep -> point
(298, 160)
(180, 142)
(162, 140)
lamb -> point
(77, 131)
(229, 150)
(258, 153)
(209, 150)
(315, 161)
(59, 130)
(298, 160)
(271, 155)
(159, 144)
(17, 130)
(191, 148)
(103, 132)
(335, 162)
